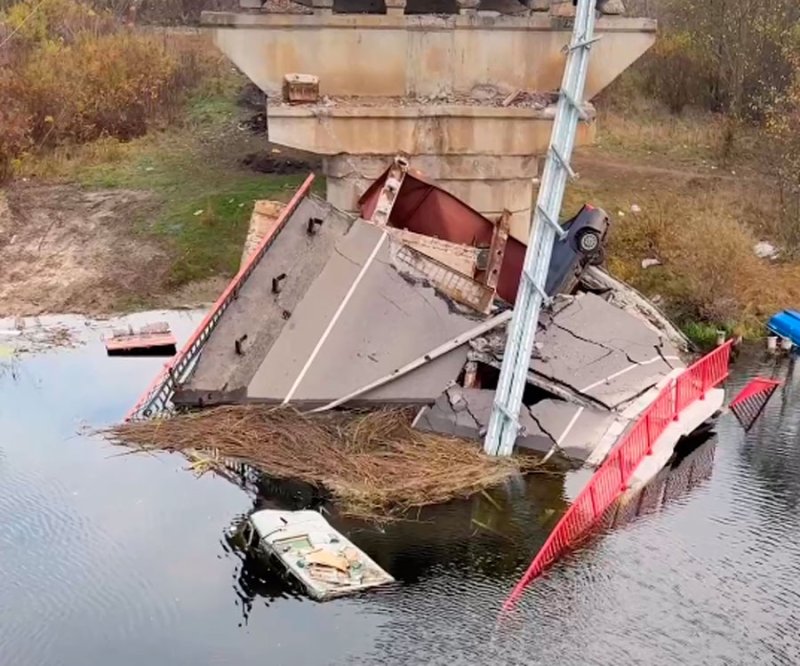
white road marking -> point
(572, 422)
(655, 359)
(335, 318)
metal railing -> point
(156, 398)
(612, 477)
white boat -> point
(321, 559)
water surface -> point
(107, 557)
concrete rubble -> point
(407, 305)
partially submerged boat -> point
(309, 550)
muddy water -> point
(107, 557)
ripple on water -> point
(710, 576)
(54, 571)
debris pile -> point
(406, 307)
(374, 464)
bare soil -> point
(64, 249)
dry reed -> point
(374, 464)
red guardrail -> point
(611, 478)
(752, 399)
(157, 396)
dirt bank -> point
(65, 249)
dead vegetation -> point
(688, 214)
(374, 465)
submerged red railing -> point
(611, 478)
(157, 396)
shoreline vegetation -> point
(698, 168)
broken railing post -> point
(277, 283)
(313, 224)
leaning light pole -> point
(545, 229)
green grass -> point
(205, 208)
(704, 335)
(205, 197)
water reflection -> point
(106, 557)
(485, 537)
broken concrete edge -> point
(162, 388)
(426, 22)
(410, 108)
(640, 306)
(549, 428)
(691, 419)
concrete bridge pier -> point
(470, 97)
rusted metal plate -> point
(497, 250)
(425, 208)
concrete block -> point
(323, 7)
(467, 6)
(538, 5)
(612, 7)
(562, 9)
(395, 7)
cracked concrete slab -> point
(576, 430)
(221, 374)
(463, 412)
(600, 352)
(360, 320)
(626, 298)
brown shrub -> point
(14, 132)
(112, 84)
(76, 74)
(708, 271)
(676, 72)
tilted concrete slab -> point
(592, 353)
(549, 425)
(601, 353)
(465, 413)
(360, 320)
(625, 297)
(222, 375)
(423, 55)
(575, 430)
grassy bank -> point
(194, 170)
(688, 198)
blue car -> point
(584, 245)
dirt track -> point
(63, 249)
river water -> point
(107, 557)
